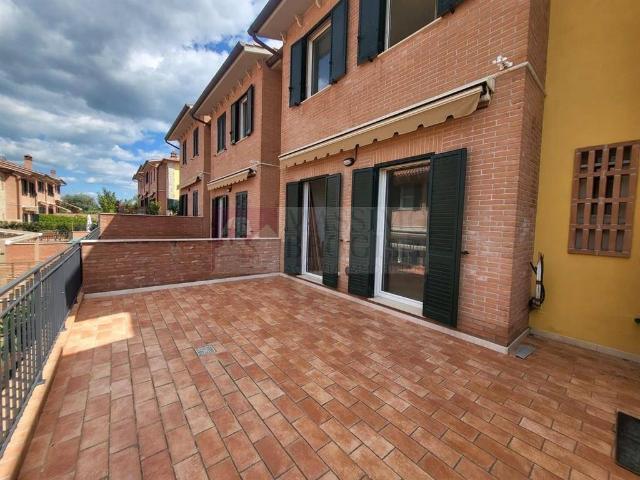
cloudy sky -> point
(90, 87)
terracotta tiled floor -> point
(305, 384)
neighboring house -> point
(243, 101)
(409, 160)
(194, 138)
(24, 193)
(588, 198)
(158, 182)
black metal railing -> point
(93, 234)
(33, 312)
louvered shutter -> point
(446, 6)
(371, 29)
(293, 229)
(446, 205)
(339, 22)
(234, 123)
(225, 216)
(214, 218)
(241, 214)
(296, 77)
(332, 231)
(250, 110)
(363, 231)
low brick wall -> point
(123, 227)
(26, 252)
(119, 265)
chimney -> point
(28, 162)
(53, 173)
(174, 155)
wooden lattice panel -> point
(603, 198)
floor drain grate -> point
(205, 350)
(523, 351)
(628, 442)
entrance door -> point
(314, 203)
(401, 248)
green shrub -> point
(71, 223)
(25, 227)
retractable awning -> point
(189, 181)
(227, 180)
(431, 112)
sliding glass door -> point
(401, 248)
(313, 226)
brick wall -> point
(26, 252)
(119, 226)
(109, 266)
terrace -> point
(272, 377)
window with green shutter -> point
(221, 132)
(446, 201)
(241, 214)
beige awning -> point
(189, 181)
(430, 112)
(236, 177)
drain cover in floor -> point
(628, 442)
(205, 350)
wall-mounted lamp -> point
(349, 161)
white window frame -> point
(318, 32)
(243, 106)
(387, 24)
(381, 238)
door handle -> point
(464, 252)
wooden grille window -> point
(604, 188)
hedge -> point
(56, 222)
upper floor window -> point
(49, 189)
(602, 204)
(320, 57)
(405, 17)
(184, 152)
(196, 142)
(32, 189)
(221, 128)
(57, 188)
(24, 184)
(384, 23)
(146, 177)
(242, 116)
(40, 186)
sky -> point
(90, 87)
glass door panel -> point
(405, 232)
(315, 225)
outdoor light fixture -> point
(349, 161)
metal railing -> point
(33, 312)
(93, 234)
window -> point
(195, 204)
(40, 186)
(604, 186)
(57, 188)
(146, 177)
(220, 214)
(405, 17)
(242, 116)
(24, 187)
(184, 152)
(221, 130)
(319, 59)
(183, 205)
(241, 214)
(49, 189)
(384, 23)
(51, 210)
(196, 142)
(32, 189)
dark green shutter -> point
(293, 229)
(332, 231)
(446, 205)
(297, 73)
(241, 215)
(225, 216)
(446, 6)
(234, 123)
(364, 196)
(339, 22)
(371, 29)
(250, 110)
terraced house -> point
(410, 149)
(158, 182)
(194, 139)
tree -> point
(153, 208)
(84, 201)
(108, 201)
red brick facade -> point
(118, 226)
(108, 266)
(259, 151)
(502, 140)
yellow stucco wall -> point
(593, 98)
